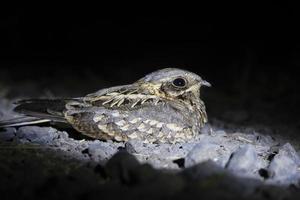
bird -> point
(162, 107)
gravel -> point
(233, 161)
(241, 154)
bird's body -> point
(162, 107)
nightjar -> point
(162, 107)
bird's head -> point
(172, 83)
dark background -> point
(250, 53)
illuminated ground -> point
(224, 161)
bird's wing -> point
(127, 96)
(52, 109)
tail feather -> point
(37, 111)
(22, 121)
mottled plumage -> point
(162, 107)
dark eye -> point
(179, 82)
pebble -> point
(207, 151)
(243, 160)
(284, 165)
(102, 151)
(213, 151)
(134, 146)
(289, 151)
(35, 134)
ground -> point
(238, 154)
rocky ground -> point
(223, 162)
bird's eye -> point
(179, 82)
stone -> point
(289, 150)
(35, 134)
(102, 151)
(284, 166)
(161, 163)
(205, 151)
(243, 160)
(134, 146)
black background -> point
(250, 53)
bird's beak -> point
(205, 83)
(195, 88)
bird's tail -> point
(22, 121)
(37, 111)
